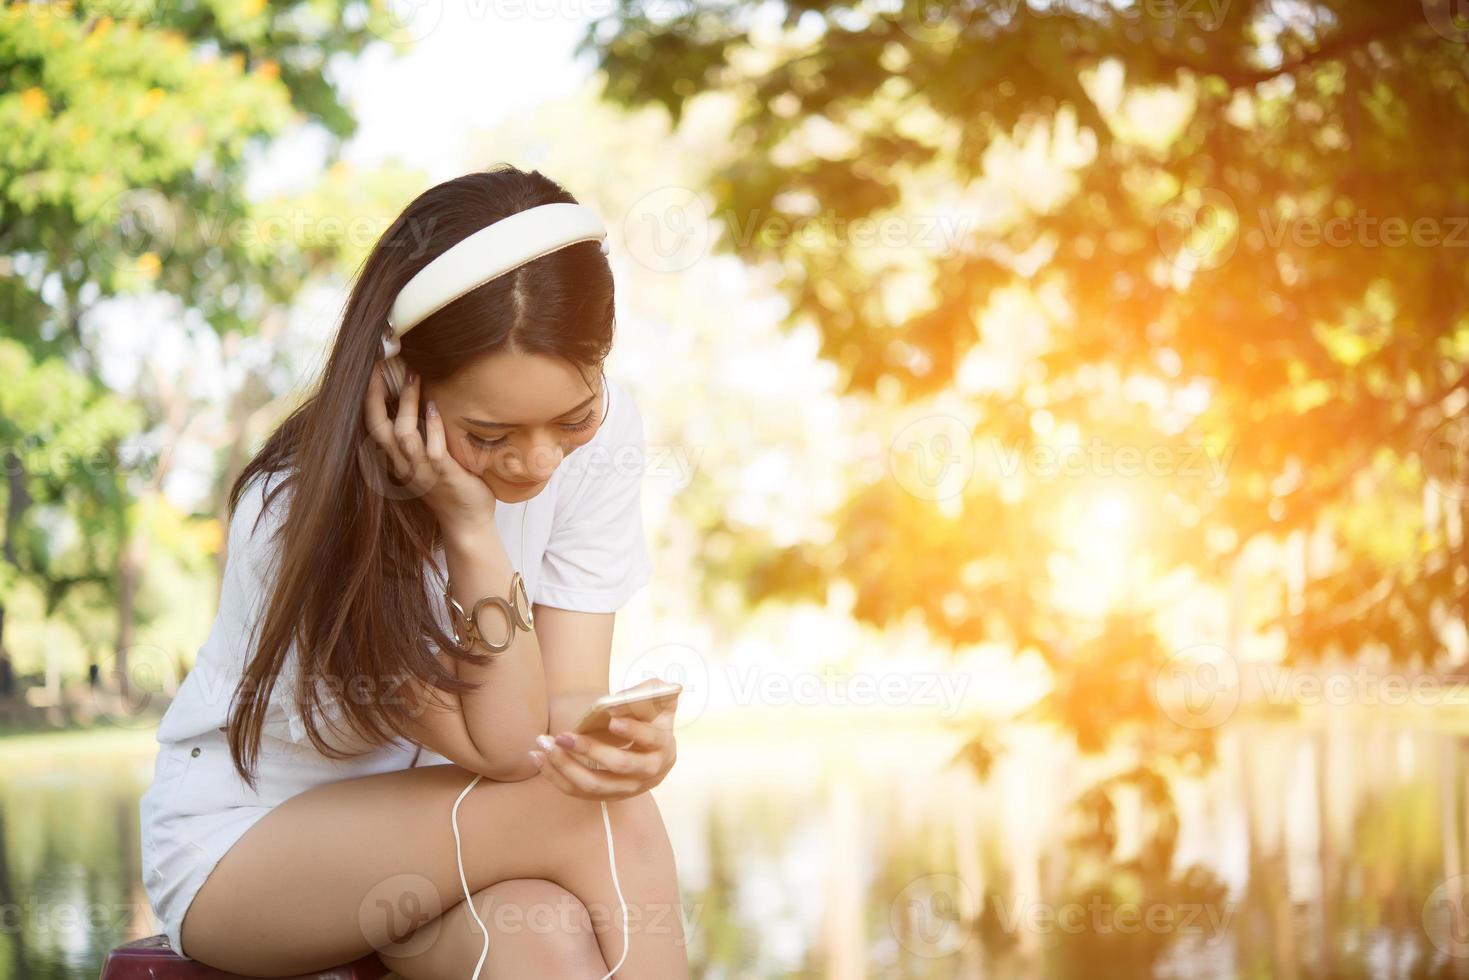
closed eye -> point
(581, 425)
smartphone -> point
(644, 704)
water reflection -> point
(1337, 849)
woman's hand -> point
(623, 772)
(458, 498)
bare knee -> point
(557, 926)
(537, 929)
(637, 829)
(575, 833)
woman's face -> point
(511, 418)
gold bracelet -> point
(517, 612)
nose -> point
(538, 460)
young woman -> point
(299, 815)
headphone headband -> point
(486, 254)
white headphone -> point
(473, 261)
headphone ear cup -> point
(394, 376)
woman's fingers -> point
(405, 426)
(610, 758)
(575, 779)
(645, 734)
(436, 443)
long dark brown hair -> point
(349, 591)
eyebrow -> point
(484, 424)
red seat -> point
(152, 959)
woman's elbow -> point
(509, 761)
(508, 771)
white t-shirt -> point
(578, 544)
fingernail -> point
(432, 408)
(616, 725)
(535, 758)
(565, 741)
(544, 741)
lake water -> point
(1335, 848)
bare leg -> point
(369, 863)
(537, 929)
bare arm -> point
(491, 729)
(577, 653)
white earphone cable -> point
(459, 845)
(459, 856)
(469, 899)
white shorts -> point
(184, 832)
(197, 807)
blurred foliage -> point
(1325, 367)
(130, 128)
(1235, 229)
(61, 430)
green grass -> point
(76, 742)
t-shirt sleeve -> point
(596, 557)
